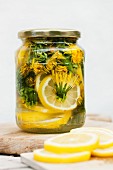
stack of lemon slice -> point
(105, 147)
(76, 146)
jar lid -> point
(49, 33)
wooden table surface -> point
(14, 163)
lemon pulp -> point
(70, 143)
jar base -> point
(76, 120)
(52, 131)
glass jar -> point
(49, 81)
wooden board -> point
(15, 141)
(92, 164)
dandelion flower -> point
(57, 55)
(61, 69)
(30, 81)
(77, 54)
(63, 83)
(36, 67)
(24, 70)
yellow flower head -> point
(57, 55)
(67, 80)
(52, 62)
(24, 69)
(61, 69)
(50, 65)
(36, 67)
(30, 81)
(77, 54)
(63, 83)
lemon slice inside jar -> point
(48, 96)
(22, 54)
(39, 78)
(34, 119)
(41, 109)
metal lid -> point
(49, 33)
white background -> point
(93, 18)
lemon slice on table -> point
(48, 97)
(49, 157)
(69, 143)
(105, 135)
(92, 128)
(107, 152)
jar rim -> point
(48, 33)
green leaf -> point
(28, 94)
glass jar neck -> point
(51, 39)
